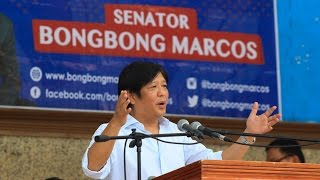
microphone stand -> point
(137, 141)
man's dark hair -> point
(295, 150)
(137, 74)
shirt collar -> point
(133, 122)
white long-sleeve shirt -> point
(157, 158)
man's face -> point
(153, 100)
(275, 155)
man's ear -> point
(132, 97)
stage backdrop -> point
(221, 56)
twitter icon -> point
(193, 101)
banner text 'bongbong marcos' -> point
(147, 31)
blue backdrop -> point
(202, 88)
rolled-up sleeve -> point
(102, 173)
(199, 152)
(215, 155)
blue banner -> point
(220, 55)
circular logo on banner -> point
(36, 74)
(35, 92)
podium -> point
(244, 170)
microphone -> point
(183, 125)
(101, 138)
(209, 132)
